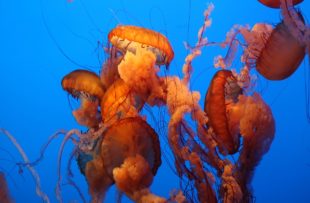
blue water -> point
(41, 41)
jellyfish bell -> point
(128, 145)
(281, 55)
(222, 91)
(86, 86)
(128, 37)
(277, 3)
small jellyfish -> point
(128, 37)
(86, 86)
(222, 91)
(277, 3)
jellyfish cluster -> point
(121, 148)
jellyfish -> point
(269, 50)
(281, 55)
(133, 81)
(277, 3)
(274, 52)
(127, 154)
(129, 37)
(4, 190)
(277, 52)
(257, 128)
(86, 86)
(244, 117)
(223, 91)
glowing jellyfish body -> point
(222, 89)
(277, 3)
(281, 55)
(86, 86)
(128, 37)
(128, 145)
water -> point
(41, 41)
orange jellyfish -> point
(277, 52)
(128, 37)
(277, 3)
(257, 128)
(282, 54)
(222, 90)
(128, 154)
(86, 86)
(4, 190)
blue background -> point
(41, 41)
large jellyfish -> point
(275, 52)
(128, 38)
(128, 154)
(281, 53)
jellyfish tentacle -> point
(43, 149)
(70, 174)
(68, 135)
(33, 172)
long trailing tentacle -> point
(43, 149)
(33, 172)
(70, 174)
(67, 137)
